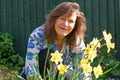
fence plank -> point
(95, 18)
(111, 19)
(102, 16)
(14, 14)
(40, 12)
(88, 13)
(8, 17)
(21, 28)
(32, 14)
(117, 26)
(26, 13)
(3, 15)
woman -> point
(64, 29)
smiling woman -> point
(64, 30)
(63, 26)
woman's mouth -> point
(63, 28)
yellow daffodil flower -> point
(56, 57)
(83, 62)
(110, 45)
(88, 48)
(87, 68)
(92, 55)
(95, 43)
(108, 38)
(97, 71)
(62, 68)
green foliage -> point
(113, 65)
(10, 61)
(109, 63)
(7, 74)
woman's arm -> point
(35, 44)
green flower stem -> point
(102, 45)
(59, 76)
(101, 60)
(110, 69)
(94, 79)
(107, 71)
(51, 72)
(98, 42)
(46, 62)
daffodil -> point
(83, 62)
(110, 45)
(62, 68)
(88, 48)
(108, 38)
(92, 54)
(97, 71)
(56, 57)
(87, 68)
(95, 43)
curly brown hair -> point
(61, 9)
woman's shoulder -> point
(37, 39)
(39, 29)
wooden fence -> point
(20, 17)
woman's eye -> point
(62, 18)
(71, 21)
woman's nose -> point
(66, 23)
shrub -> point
(10, 61)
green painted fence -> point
(20, 17)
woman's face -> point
(65, 24)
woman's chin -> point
(63, 35)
